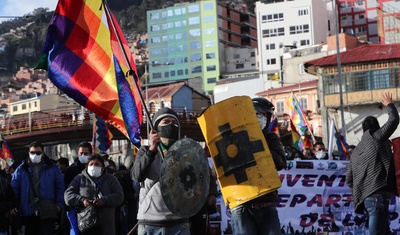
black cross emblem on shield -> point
(236, 152)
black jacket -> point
(8, 201)
(73, 170)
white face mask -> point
(94, 171)
(83, 159)
(262, 121)
(320, 154)
(35, 159)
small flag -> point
(299, 123)
(339, 140)
(6, 154)
(273, 127)
(299, 142)
(102, 136)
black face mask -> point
(170, 131)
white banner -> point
(314, 199)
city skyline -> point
(23, 7)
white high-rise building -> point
(285, 25)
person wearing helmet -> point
(153, 216)
(260, 216)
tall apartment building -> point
(389, 22)
(287, 24)
(188, 41)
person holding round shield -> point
(154, 217)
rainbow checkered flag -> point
(102, 136)
(88, 58)
(6, 155)
(299, 124)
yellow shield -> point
(244, 165)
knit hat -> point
(162, 113)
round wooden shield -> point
(185, 178)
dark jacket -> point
(51, 185)
(83, 186)
(73, 170)
(278, 155)
(8, 201)
(368, 169)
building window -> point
(360, 16)
(304, 42)
(210, 55)
(23, 106)
(193, 8)
(195, 32)
(154, 16)
(272, 18)
(280, 108)
(35, 104)
(302, 69)
(239, 66)
(15, 108)
(361, 29)
(156, 75)
(303, 103)
(208, 6)
(298, 29)
(196, 69)
(252, 54)
(178, 11)
(155, 27)
(195, 57)
(178, 24)
(303, 12)
(166, 74)
(270, 46)
(267, 33)
(236, 56)
(211, 68)
(195, 45)
(172, 73)
(209, 43)
(271, 61)
(155, 40)
(208, 19)
(194, 20)
(209, 31)
(359, 3)
(180, 72)
(211, 80)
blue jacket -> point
(51, 185)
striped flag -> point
(6, 155)
(299, 123)
(102, 136)
(336, 138)
(88, 58)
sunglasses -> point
(36, 152)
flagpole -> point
(130, 72)
(330, 146)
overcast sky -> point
(23, 7)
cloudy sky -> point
(23, 7)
